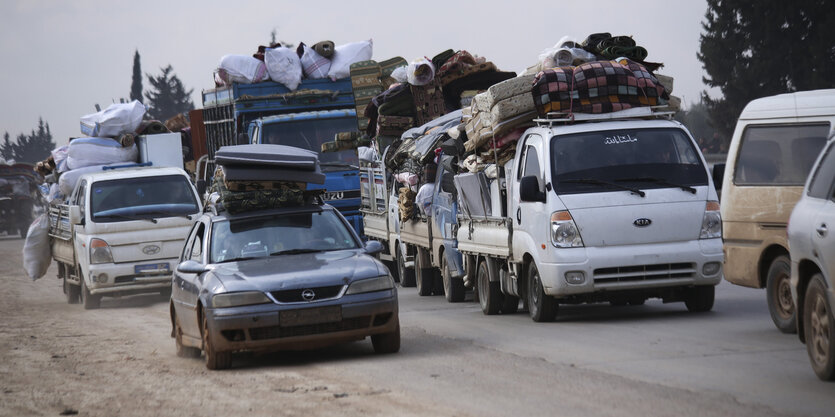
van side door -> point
(528, 217)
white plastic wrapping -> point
(67, 180)
(242, 69)
(420, 71)
(84, 152)
(116, 119)
(345, 55)
(566, 52)
(284, 66)
(37, 253)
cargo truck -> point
(269, 113)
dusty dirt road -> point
(58, 359)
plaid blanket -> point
(596, 87)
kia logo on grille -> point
(308, 295)
(642, 222)
(150, 250)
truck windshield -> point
(142, 198)
(625, 159)
(311, 134)
(276, 235)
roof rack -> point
(655, 112)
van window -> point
(643, 158)
(822, 179)
(778, 154)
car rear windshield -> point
(310, 135)
(636, 158)
(142, 198)
(778, 154)
(256, 237)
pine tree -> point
(7, 147)
(32, 148)
(136, 81)
(770, 47)
(167, 96)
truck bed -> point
(490, 236)
(375, 224)
(415, 232)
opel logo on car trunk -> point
(150, 250)
(642, 222)
(308, 295)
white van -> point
(775, 144)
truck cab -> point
(309, 130)
(121, 232)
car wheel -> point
(542, 307)
(700, 299)
(819, 328)
(407, 276)
(183, 351)
(72, 291)
(489, 293)
(214, 360)
(779, 293)
(453, 287)
(387, 342)
(90, 301)
(424, 276)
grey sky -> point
(61, 57)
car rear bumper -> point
(260, 327)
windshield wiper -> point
(161, 213)
(245, 258)
(661, 181)
(594, 181)
(126, 217)
(295, 251)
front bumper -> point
(258, 327)
(634, 267)
(122, 278)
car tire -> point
(700, 299)
(510, 304)
(394, 269)
(214, 360)
(542, 307)
(387, 342)
(183, 351)
(819, 329)
(407, 276)
(424, 276)
(453, 287)
(489, 293)
(90, 301)
(778, 290)
(73, 292)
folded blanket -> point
(512, 106)
(508, 88)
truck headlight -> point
(712, 222)
(100, 252)
(564, 232)
(383, 282)
(235, 299)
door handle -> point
(821, 230)
(519, 215)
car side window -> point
(186, 255)
(821, 181)
(197, 247)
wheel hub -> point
(785, 305)
(820, 330)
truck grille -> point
(295, 295)
(643, 272)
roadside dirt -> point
(58, 359)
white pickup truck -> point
(616, 207)
(122, 232)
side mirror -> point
(373, 247)
(718, 175)
(529, 189)
(75, 215)
(191, 267)
(201, 187)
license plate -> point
(152, 268)
(310, 316)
